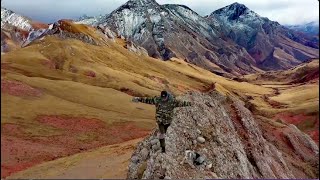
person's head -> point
(164, 95)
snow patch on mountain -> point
(192, 19)
(89, 20)
(8, 16)
(238, 17)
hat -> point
(164, 94)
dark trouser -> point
(163, 130)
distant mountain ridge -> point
(273, 46)
(311, 28)
(172, 30)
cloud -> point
(283, 11)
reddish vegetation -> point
(16, 88)
(18, 154)
(308, 124)
(22, 32)
(77, 134)
(39, 25)
(129, 91)
(72, 123)
(90, 74)
(314, 135)
(276, 137)
(312, 74)
(292, 118)
(5, 66)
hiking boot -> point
(163, 150)
(163, 145)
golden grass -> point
(70, 91)
(304, 98)
(281, 78)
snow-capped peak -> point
(83, 17)
(237, 5)
(235, 11)
(10, 17)
(142, 2)
(133, 4)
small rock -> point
(194, 142)
(209, 166)
(154, 141)
(214, 175)
(167, 177)
(155, 147)
(135, 159)
(201, 139)
(201, 159)
(217, 140)
(198, 131)
(144, 154)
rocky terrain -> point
(233, 144)
(167, 31)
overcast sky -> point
(283, 11)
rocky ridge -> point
(233, 144)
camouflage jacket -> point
(164, 109)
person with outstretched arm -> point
(164, 111)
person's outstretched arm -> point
(182, 103)
(146, 100)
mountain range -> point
(67, 88)
(234, 38)
(311, 28)
(231, 41)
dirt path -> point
(106, 162)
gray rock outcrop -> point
(234, 144)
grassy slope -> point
(115, 68)
(86, 81)
(285, 77)
(89, 165)
(293, 97)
